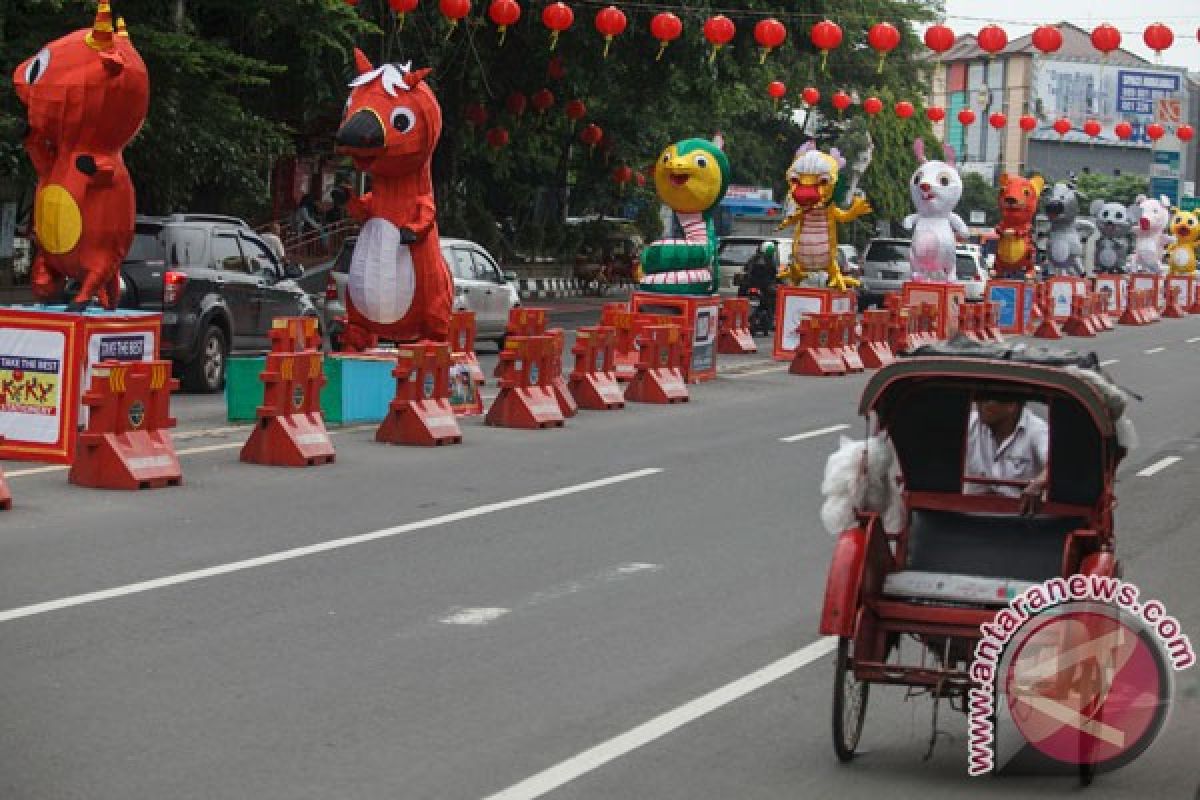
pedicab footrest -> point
(947, 587)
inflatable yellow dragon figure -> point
(811, 179)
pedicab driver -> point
(1006, 441)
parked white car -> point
(970, 271)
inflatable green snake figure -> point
(691, 177)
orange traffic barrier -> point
(873, 348)
(991, 322)
(593, 381)
(927, 323)
(1047, 327)
(558, 383)
(846, 331)
(625, 354)
(524, 321)
(420, 413)
(1194, 301)
(1080, 323)
(126, 444)
(526, 398)
(1099, 312)
(819, 349)
(970, 324)
(290, 431)
(462, 343)
(1173, 310)
(1141, 308)
(5, 494)
(902, 326)
(659, 377)
(294, 334)
(734, 336)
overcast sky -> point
(1131, 18)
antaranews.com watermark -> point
(1083, 666)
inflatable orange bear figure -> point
(86, 96)
(399, 288)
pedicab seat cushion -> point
(988, 545)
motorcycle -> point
(762, 311)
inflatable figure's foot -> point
(76, 305)
(356, 339)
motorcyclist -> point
(761, 274)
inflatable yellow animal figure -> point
(811, 179)
(1181, 256)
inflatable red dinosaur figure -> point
(86, 96)
(399, 288)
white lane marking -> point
(321, 547)
(812, 434)
(1158, 466)
(482, 616)
(614, 748)
(763, 371)
(1154, 350)
(474, 616)
(1193, 340)
(1109, 362)
(184, 435)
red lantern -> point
(1185, 133)
(1158, 37)
(1106, 38)
(769, 33)
(504, 13)
(1123, 130)
(610, 22)
(935, 113)
(640, 178)
(939, 38)
(454, 10)
(622, 175)
(557, 17)
(825, 36)
(476, 115)
(497, 137)
(352, 3)
(542, 100)
(1028, 122)
(719, 31)
(1154, 131)
(556, 69)
(997, 120)
(777, 89)
(1048, 39)
(400, 8)
(591, 135)
(883, 38)
(872, 105)
(841, 101)
(1092, 128)
(992, 39)
(904, 109)
(966, 117)
(575, 110)
(811, 95)
(515, 104)
(1062, 126)
(665, 27)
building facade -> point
(1076, 83)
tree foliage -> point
(1121, 189)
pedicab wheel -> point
(849, 704)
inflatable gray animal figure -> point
(1112, 248)
(1064, 248)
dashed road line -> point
(320, 547)
(1193, 340)
(1158, 466)
(813, 434)
(1109, 362)
(1154, 350)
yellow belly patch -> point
(1011, 249)
(56, 220)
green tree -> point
(978, 195)
(1112, 188)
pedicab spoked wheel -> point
(849, 703)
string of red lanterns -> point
(558, 17)
(610, 22)
(665, 27)
(719, 31)
(769, 33)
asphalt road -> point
(575, 613)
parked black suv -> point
(217, 285)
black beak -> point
(362, 130)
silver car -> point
(479, 286)
(885, 269)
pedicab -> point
(958, 557)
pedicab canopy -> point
(924, 402)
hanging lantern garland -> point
(665, 27)
(777, 90)
(939, 39)
(825, 36)
(1092, 128)
(992, 39)
(542, 100)
(841, 101)
(998, 120)
(1028, 122)
(1155, 131)
(1185, 133)
(591, 136)
(1123, 130)
(516, 104)
(769, 33)
(872, 105)
(966, 117)
(558, 17)
(1106, 38)
(935, 113)
(497, 137)
(454, 10)
(1158, 37)
(719, 31)
(610, 22)
(1062, 126)
(400, 8)
(575, 110)
(811, 95)
(1048, 39)
(904, 109)
(504, 13)
(883, 38)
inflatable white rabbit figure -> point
(1150, 216)
(936, 189)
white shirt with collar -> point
(1020, 457)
